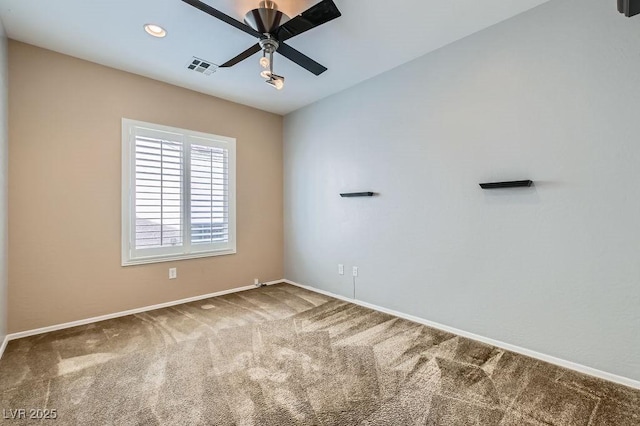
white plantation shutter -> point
(158, 193)
(178, 194)
(209, 195)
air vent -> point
(202, 66)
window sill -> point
(175, 257)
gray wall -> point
(552, 95)
(4, 165)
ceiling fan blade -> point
(223, 17)
(317, 15)
(301, 59)
(241, 57)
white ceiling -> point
(371, 37)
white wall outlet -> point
(173, 273)
(355, 271)
(256, 281)
(340, 269)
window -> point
(178, 194)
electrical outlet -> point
(340, 269)
(256, 282)
(355, 271)
(173, 273)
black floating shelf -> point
(629, 7)
(357, 194)
(510, 184)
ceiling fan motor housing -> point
(269, 45)
(265, 19)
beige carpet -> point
(282, 355)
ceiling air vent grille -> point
(202, 66)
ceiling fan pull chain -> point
(271, 62)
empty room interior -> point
(320, 212)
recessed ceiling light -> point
(155, 30)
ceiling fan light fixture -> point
(264, 62)
(276, 81)
(265, 74)
(155, 30)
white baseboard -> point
(4, 345)
(18, 335)
(517, 349)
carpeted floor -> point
(281, 355)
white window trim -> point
(128, 194)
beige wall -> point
(64, 199)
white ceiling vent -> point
(202, 66)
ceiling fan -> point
(273, 28)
